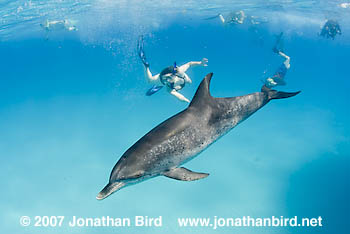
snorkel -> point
(174, 69)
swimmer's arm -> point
(241, 19)
(150, 77)
(186, 66)
(178, 95)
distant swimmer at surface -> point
(330, 29)
(59, 25)
(239, 17)
(173, 77)
(233, 18)
(278, 77)
(345, 5)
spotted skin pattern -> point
(183, 137)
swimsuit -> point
(279, 75)
(166, 80)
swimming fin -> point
(141, 53)
(153, 90)
(212, 17)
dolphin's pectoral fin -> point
(184, 174)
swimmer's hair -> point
(167, 70)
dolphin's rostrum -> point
(182, 137)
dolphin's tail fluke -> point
(274, 94)
(109, 189)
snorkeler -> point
(278, 77)
(59, 24)
(345, 5)
(233, 18)
(330, 29)
(239, 17)
(173, 77)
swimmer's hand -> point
(204, 62)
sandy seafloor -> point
(72, 102)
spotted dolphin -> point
(163, 150)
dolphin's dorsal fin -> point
(181, 173)
(202, 93)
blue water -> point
(71, 103)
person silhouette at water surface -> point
(278, 77)
(233, 18)
(59, 25)
(172, 77)
(330, 29)
(239, 17)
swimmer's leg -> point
(152, 78)
(278, 47)
(287, 61)
(141, 52)
(178, 95)
(222, 18)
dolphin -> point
(163, 150)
